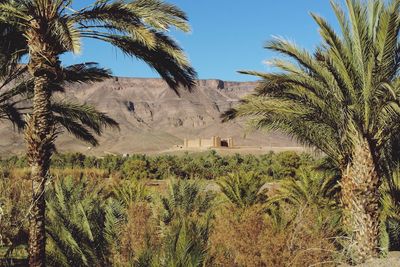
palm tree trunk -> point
(39, 136)
(360, 199)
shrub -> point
(141, 239)
(391, 212)
(185, 217)
(136, 168)
(14, 211)
(250, 238)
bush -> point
(250, 238)
(141, 238)
(14, 211)
(136, 168)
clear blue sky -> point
(227, 36)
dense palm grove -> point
(284, 209)
(278, 209)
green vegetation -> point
(113, 214)
(81, 224)
(243, 189)
(286, 214)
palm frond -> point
(81, 224)
(346, 89)
(166, 58)
(79, 119)
(243, 189)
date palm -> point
(185, 221)
(343, 100)
(52, 27)
(82, 224)
(310, 187)
(243, 189)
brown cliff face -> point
(153, 118)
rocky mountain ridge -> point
(153, 117)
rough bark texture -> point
(360, 198)
(39, 135)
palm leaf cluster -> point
(81, 224)
(16, 91)
(244, 189)
(129, 192)
(346, 90)
(186, 217)
(309, 188)
(81, 120)
(391, 210)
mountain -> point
(154, 118)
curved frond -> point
(347, 89)
(166, 58)
(84, 115)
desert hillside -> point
(154, 118)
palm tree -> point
(129, 192)
(310, 187)
(185, 220)
(81, 223)
(343, 100)
(52, 27)
(243, 189)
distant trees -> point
(342, 99)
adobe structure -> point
(214, 142)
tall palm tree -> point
(344, 100)
(51, 28)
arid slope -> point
(154, 118)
